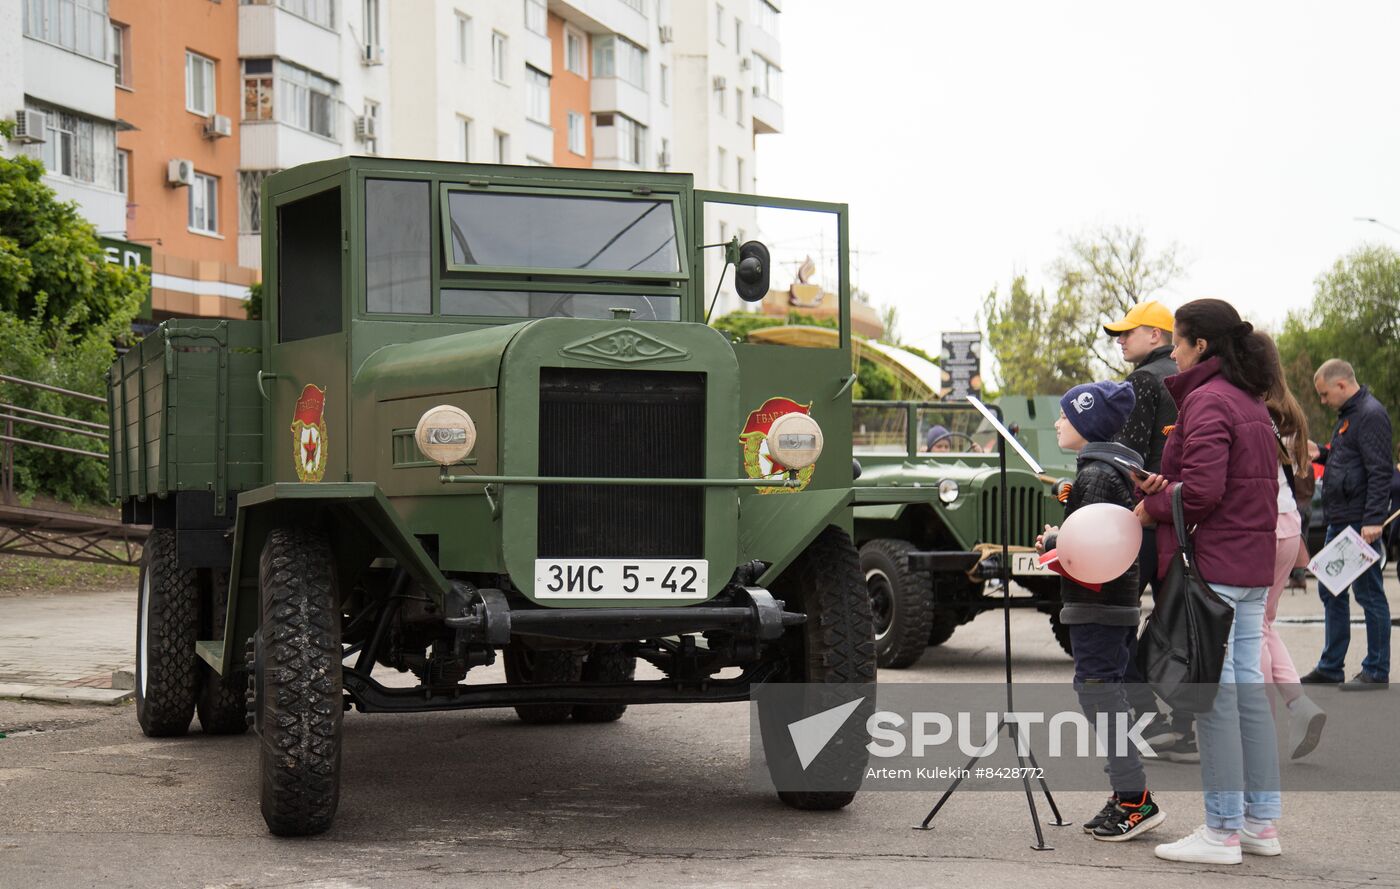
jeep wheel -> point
(300, 682)
(942, 625)
(835, 645)
(1061, 633)
(526, 666)
(221, 705)
(167, 626)
(606, 663)
(900, 602)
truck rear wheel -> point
(526, 666)
(301, 697)
(835, 645)
(900, 602)
(606, 663)
(167, 627)
(221, 705)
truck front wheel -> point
(525, 666)
(606, 663)
(167, 627)
(300, 685)
(900, 602)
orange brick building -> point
(571, 61)
(178, 92)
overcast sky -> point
(970, 138)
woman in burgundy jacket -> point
(1223, 454)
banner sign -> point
(961, 364)
(129, 255)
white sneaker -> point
(1265, 842)
(1305, 720)
(1201, 849)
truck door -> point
(305, 305)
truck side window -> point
(398, 246)
(308, 267)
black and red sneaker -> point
(1103, 815)
(1130, 818)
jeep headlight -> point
(445, 434)
(795, 440)
(947, 490)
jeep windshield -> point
(883, 429)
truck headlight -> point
(445, 434)
(947, 490)
(795, 440)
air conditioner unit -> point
(180, 171)
(364, 128)
(719, 82)
(373, 55)
(29, 126)
(667, 34)
(218, 126)
(745, 63)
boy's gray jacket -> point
(1104, 477)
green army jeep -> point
(483, 415)
(928, 523)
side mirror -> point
(751, 272)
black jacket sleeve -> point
(1374, 444)
(1137, 429)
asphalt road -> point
(661, 797)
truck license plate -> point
(621, 578)
(1028, 563)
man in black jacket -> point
(1355, 493)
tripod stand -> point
(1004, 437)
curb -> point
(58, 694)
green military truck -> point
(483, 416)
(928, 523)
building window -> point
(576, 134)
(308, 100)
(121, 53)
(464, 38)
(502, 147)
(204, 204)
(250, 183)
(79, 148)
(322, 12)
(372, 123)
(739, 105)
(723, 157)
(536, 95)
(257, 89)
(124, 173)
(615, 56)
(79, 25)
(370, 26)
(465, 129)
(767, 17)
(723, 232)
(59, 153)
(719, 100)
(738, 36)
(199, 84)
(499, 49)
(768, 78)
(631, 140)
(719, 24)
(664, 85)
(738, 173)
(574, 52)
(637, 5)
(536, 16)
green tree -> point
(255, 301)
(1041, 345)
(1355, 315)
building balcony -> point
(266, 31)
(70, 80)
(767, 115)
(272, 145)
(539, 142)
(616, 94)
(103, 208)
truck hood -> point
(454, 363)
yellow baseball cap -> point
(1148, 314)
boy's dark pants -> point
(1101, 655)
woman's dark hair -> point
(1245, 358)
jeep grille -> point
(1027, 514)
(614, 423)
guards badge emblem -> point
(309, 434)
(758, 463)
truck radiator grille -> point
(616, 423)
(1027, 515)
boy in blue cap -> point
(1103, 624)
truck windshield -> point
(513, 230)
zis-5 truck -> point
(483, 417)
(928, 523)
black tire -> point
(901, 602)
(167, 627)
(606, 663)
(1061, 634)
(221, 706)
(300, 683)
(942, 625)
(525, 666)
(835, 645)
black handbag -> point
(1182, 648)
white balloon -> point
(1098, 542)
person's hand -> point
(1152, 484)
(1371, 533)
(1313, 450)
(1040, 540)
(1141, 512)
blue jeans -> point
(1239, 750)
(1369, 590)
